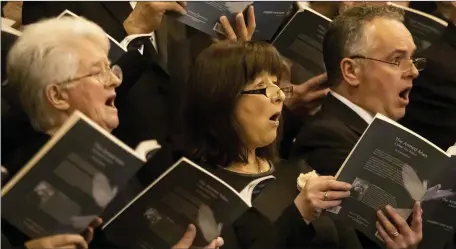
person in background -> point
(432, 108)
(58, 66)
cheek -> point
(250, 112)
(87, 99)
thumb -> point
(174, 6)
(187, 239)
(416, 225)
(216, 243)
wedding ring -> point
(325, 197)
(395, 234)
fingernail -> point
(389, 208)
(239, 15)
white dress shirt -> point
(129, 38)
(366, 116)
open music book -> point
(392, 165)
(71, 179)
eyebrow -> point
(401, 52)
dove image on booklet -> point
(391, 165)
(71, 180)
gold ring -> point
(325, 196)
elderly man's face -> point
(94, 96)
(383, 87)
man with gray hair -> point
(368, 53)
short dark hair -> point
(346, 32)
(219, 74)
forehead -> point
(91, 53)
(389, 35)
(265, 76)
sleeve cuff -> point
(130, 38)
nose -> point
(280, 98)
(412, 73)
(114, 80)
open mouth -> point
(275, 117)
(404, 94)
(110, 101)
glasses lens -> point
(288, 91)
(420, 63)
(117, 72)
(272, 92)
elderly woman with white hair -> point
(58, 66)
(55, 67)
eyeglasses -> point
(403, 65)
(104, 76)
(272, 92)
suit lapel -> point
(350, 118)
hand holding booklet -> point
(391, 165)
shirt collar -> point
(366, 116)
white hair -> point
(46, 53)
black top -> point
(273, 221)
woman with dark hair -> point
(232, 114)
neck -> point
(254, 165)
(350, 95)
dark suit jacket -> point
(329, 137)
(432, 109)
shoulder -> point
(323, 129)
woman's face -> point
(257, 114)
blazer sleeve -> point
(292, 230)
(323, 147)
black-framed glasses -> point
(104, 76)
(272, 92)
(403, 65)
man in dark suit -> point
(366, 78)
(432, 108)
(367, 53)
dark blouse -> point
(273, 221)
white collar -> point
(452, 150)
(366, 116)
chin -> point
(268, 140)
(398, 114)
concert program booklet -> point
(71, 179)
(205, 16)
(392, 165)
(185, 194)
(425, 28)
